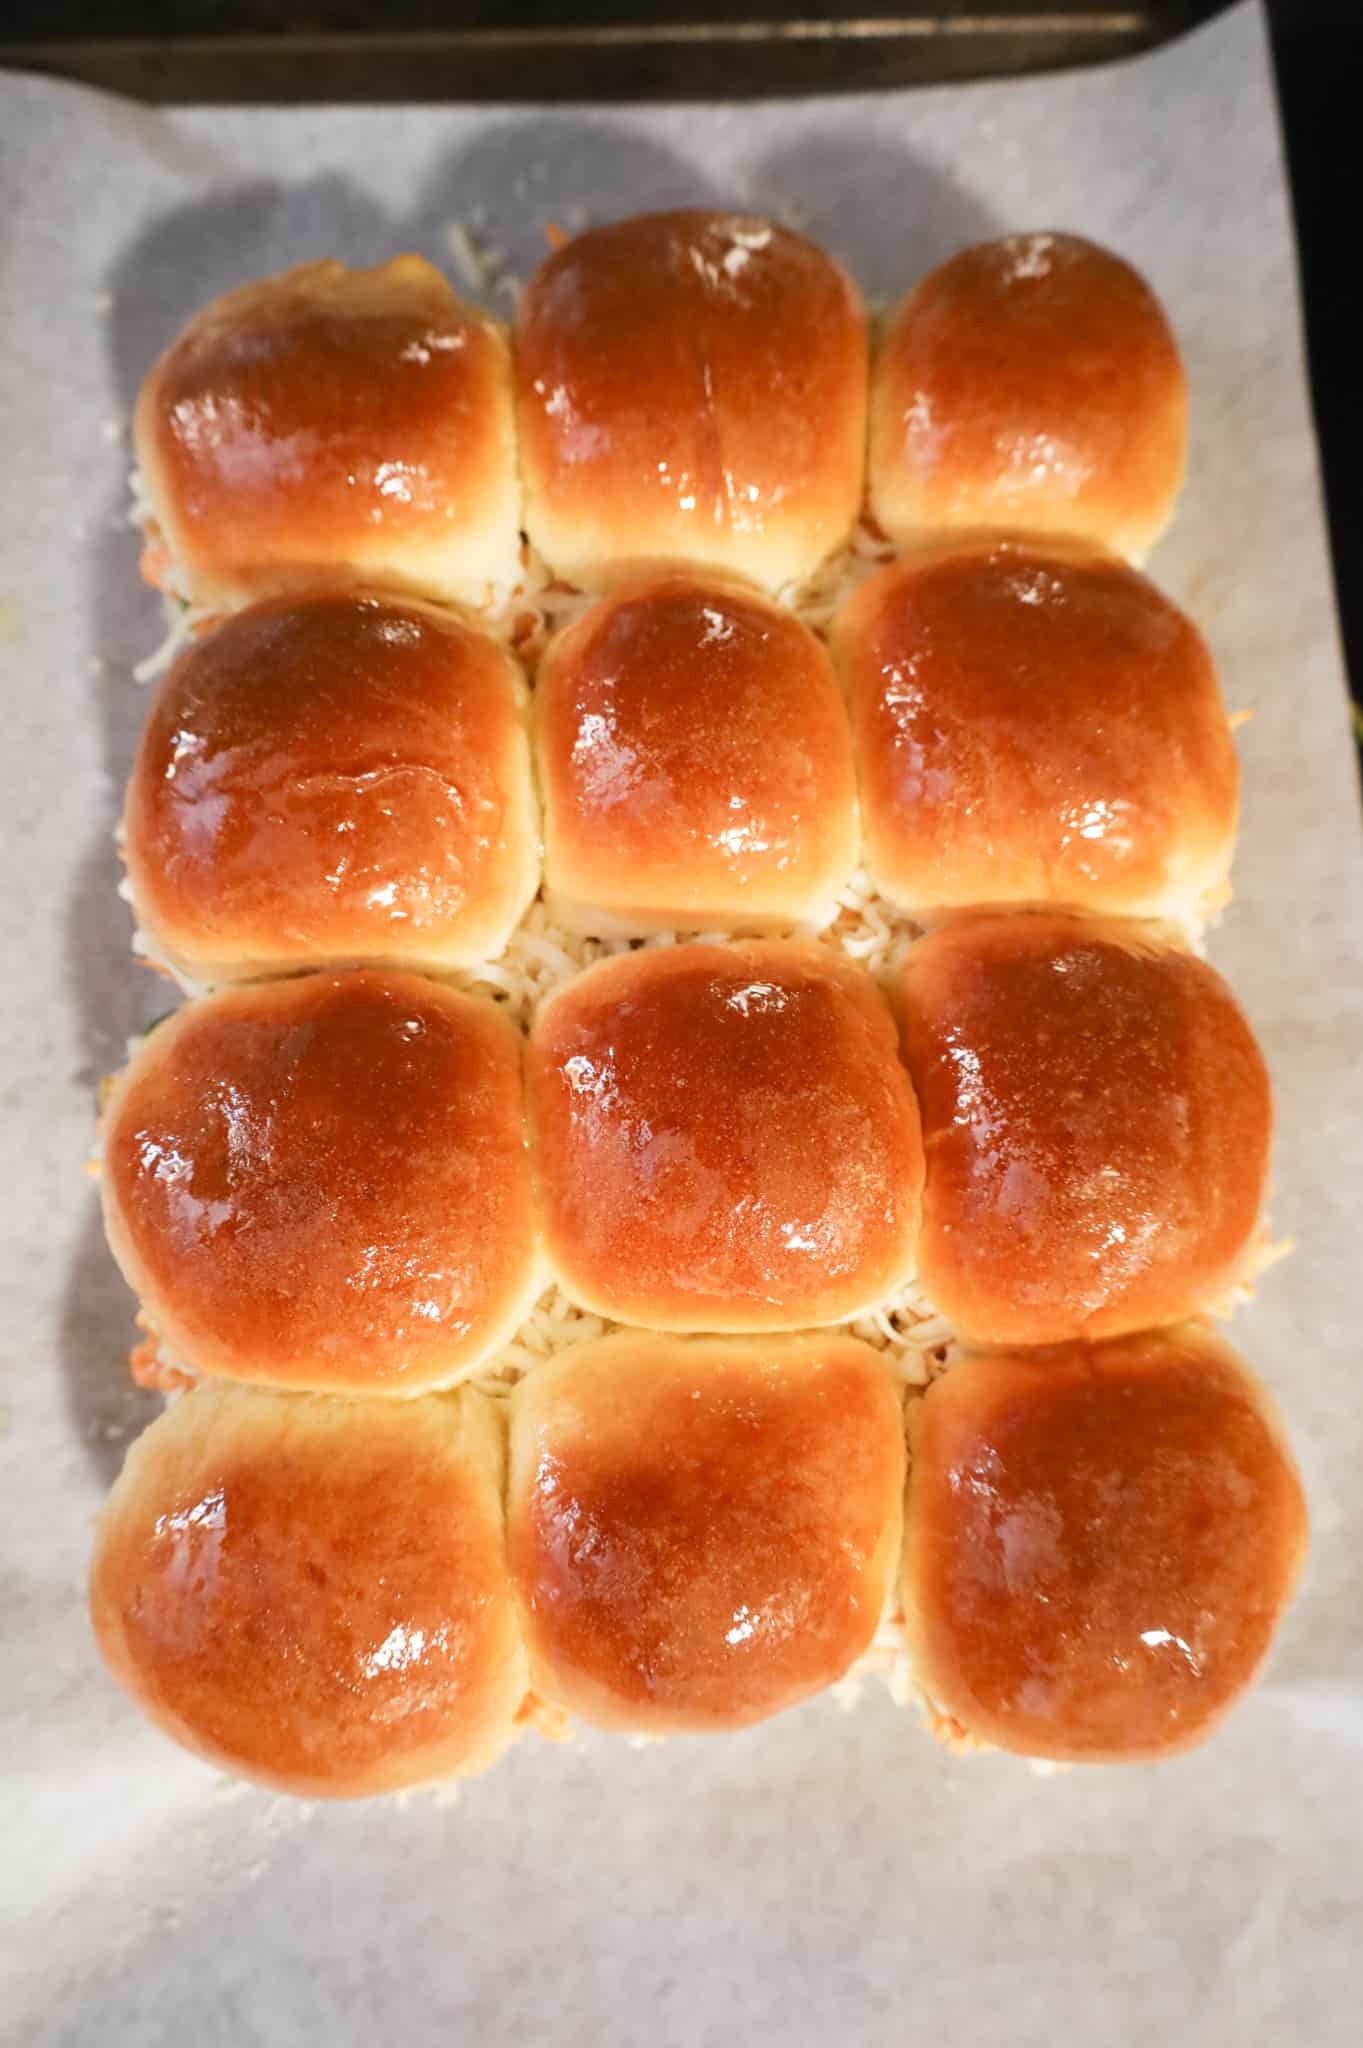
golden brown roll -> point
(690, 387)
(1031, 383)
(695, 764)
(341, 777)
(315, 1593)
(324, 1183)
(725, 1138)
(328, 423)
(1036, 723)
(1096, 1121)
(702, 1532)
(1100, 1542)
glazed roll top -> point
(333, 779)
(1096, 1121)
(725, 1138)
(1100, 1542)
(1036, 723)
(691, 387)
(329, 423)
(1031, 383)
(314, 1593)
(695, 764)
(702, 1531)
(325, 1184)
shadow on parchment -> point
(518, 174)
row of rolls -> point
(663, 1535)
(693, 386)
(350, 777)
(363, 1182)
(361, 1550)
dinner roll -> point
(695, 762)
(314, 1593)
(702, 1532)
(1100, 1542)
(324, 1183)
(1096, 1121)
(1032, 383)
(331, 422)
(1036, 723)
(690, 387)
(725, 1138)
(340, 777)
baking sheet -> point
(704, 57)
(830, 1876)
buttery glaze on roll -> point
(1030, 383)
(314, 1594)
(695, 764)
(337, 778)
(726, 1140)
(1096, 1121)
(324, 1184)
(330, 423)
(1101, 1540)
(691, 387)
(1035, 722)
(702, 1532)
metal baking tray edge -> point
(679, 60)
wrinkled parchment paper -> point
(830, 1877)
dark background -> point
(1318, 54)
(286, 48)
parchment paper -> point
(830, 1877)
